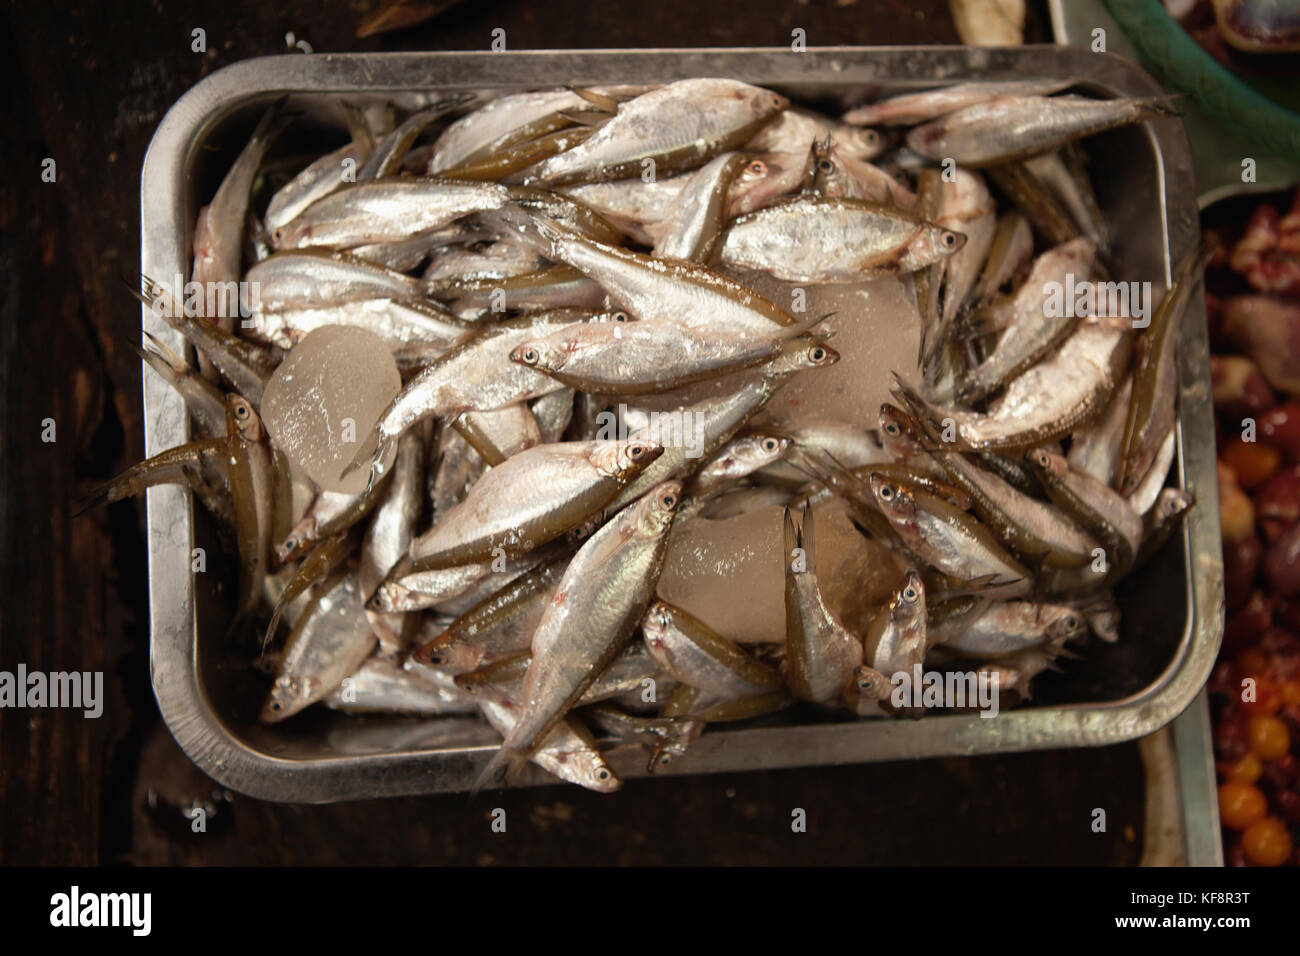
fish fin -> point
(974, 324)
(922, 343)
(362, 457)
(829, 465)
(274, 121)
(592, 119)
(275, 622)
(656, 753)
(924, 411)
(800, 328)
(243, 617)
(601, 101)
(535, 231)
(358, 130)
(839, 465)
(454, 101)
(398, 15)
(862, 529)
(798, 458)
(986, 582)
(375, 459)
(549, 229)
(501, 771)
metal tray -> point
(209, 695)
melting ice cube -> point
(321, 404)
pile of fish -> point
(558, 276)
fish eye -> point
(602, 774)
(275, 705)
(950, 239)
(665, 760)
(886, 493)
(871, 136)
(529, 356)
(758, 167)
(635, 451)
(435, 658)
(619, 316)
(241, 411)
(278, 235)
(1071, 622)
(825, 165)
(909, 594)
(818, 354)
(669, 500)
(769, 444)
(892, 428)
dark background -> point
(86, 85)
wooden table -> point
(86, 88)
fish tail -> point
(145, 289)
(161, 363)
(1160, 105)
(790, 533)
(156, 350)
(807, 538)
(144, 474)
(105, 494)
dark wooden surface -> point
(85, 85)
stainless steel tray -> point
(207, 692)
